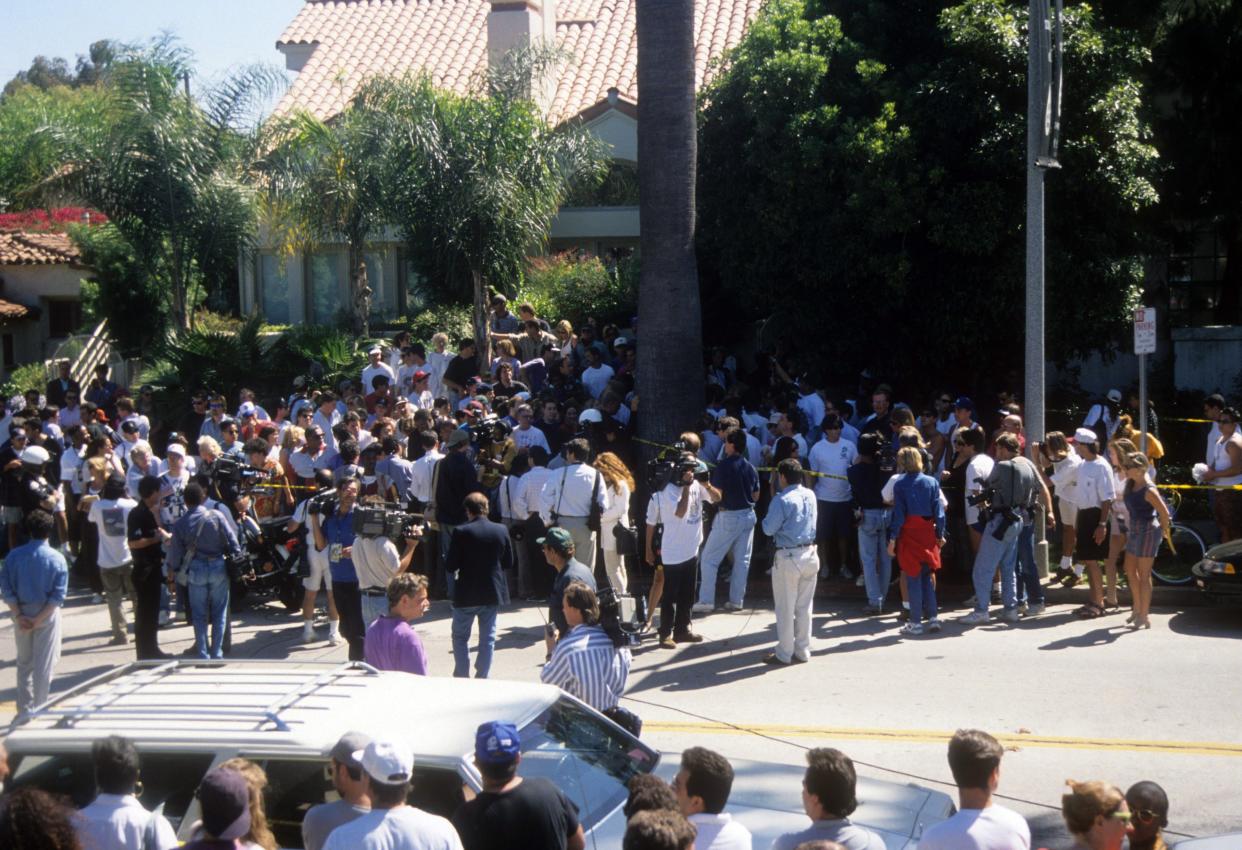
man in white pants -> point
(33, 582)
(791, 525)
(319, 574)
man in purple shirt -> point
(391, 643)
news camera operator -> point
(334, 534)
(495, 451)
(676, 513)
(315, 573)
(376, 558)
(588, 662)
(273, 497)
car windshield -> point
(587, 757)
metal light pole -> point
(1043, 87)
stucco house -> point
(335, 45)
(40, 294)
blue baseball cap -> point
(964, 403)
(497, 743)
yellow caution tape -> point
(1200, 486)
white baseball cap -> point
(1114, 395)
(387, 762)
(1085, 436)
(176, 449)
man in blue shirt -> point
(206, 537)
(791, 525)
(335, 534)
(733, 531)
(33, 583)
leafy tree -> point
(669, 360)
(167, 171)
(325, 180)
(27, 154)
(46, 74)
(118, 290)
(1197, 101)
(862, 164)
(475, 181)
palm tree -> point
(669, 360)
(166, 169)
(324, 181)
(475, 181)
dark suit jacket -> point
(55, 392)
(480, 552)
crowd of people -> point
(372, 778)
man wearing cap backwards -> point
(110, 513)
(224, 803)
(513, 813)
(347, 781)
(391, 824)
(33, 581)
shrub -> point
(453, 319)
(31, 376)
(564, 286)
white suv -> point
(187, 716)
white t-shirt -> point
(834, 459)
(682, 535)
(993, 828)
(812, 406)
(111, 516)
(719, 832)
(1222, 461)
(596, 379)
(370, 372)
(1065, 478)
(437, 363)
(532, 436)
(402, 828)
(1095, 483)
(979, 467)
(1213, 437)
(886, 492)
(532, 484)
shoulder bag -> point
(594, 516)
(430, 509)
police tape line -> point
(809, 472)
(1199, 486)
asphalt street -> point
(1069, 698)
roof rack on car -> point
(133, 678)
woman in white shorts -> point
(1055, 452)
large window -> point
(1195, 273)
(619, 188)
(327, 281)
(63, 317)
(274, 288)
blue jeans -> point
(993, 554)
(877, 566)
(208, 586)
(733, 532)
(373, 607)
(922, 596)
(1028, 573)
(463, 623)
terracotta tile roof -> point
(9, 310)
(24, 248)
(356, 39)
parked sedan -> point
(1219, 574)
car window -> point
(587, 757)
(168, 779)
(294, 785)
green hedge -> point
(565, 287)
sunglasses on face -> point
(1124, 817)
(1227, 422)
(1143, 815)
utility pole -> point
(1043, 87)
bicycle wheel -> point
(1174, 568)
(1173, 499)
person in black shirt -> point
(456, 478)
(145, 542)
(461, 369)
(512, 813)
(866, 483)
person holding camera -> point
(377, 561)
(1008, 494)
(317, 572)
(576, 499)
(586, 663)
(334, 534)
(676, 514)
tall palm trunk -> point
(478, 321)
(670, 371)
(359, 290)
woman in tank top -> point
(1148, 523)
(1226, 469)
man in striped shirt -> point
(585, 663)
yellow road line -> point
(931, 736)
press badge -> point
(334, 552)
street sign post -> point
(1144, 344)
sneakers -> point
(702, 608)
(935, 626)
(96, 599)
(165, 618)
(731, 608)
(1022, 606)
(308, 631)
(1009, 615)
(334, 634)
(972, 601)
(861, 581)
(912, 629)
(1034, 609)
(976, 618)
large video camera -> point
(621, 617)
(322, 504)
(489, 429)
(383, 521)
(670, 465)
(229, 470)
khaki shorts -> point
(319, 572)
(1068, 512)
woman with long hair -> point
(260, 834)
(31, 819)
(1119, 449)
(1149, 522)
(1096, 815)
(620, 484)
